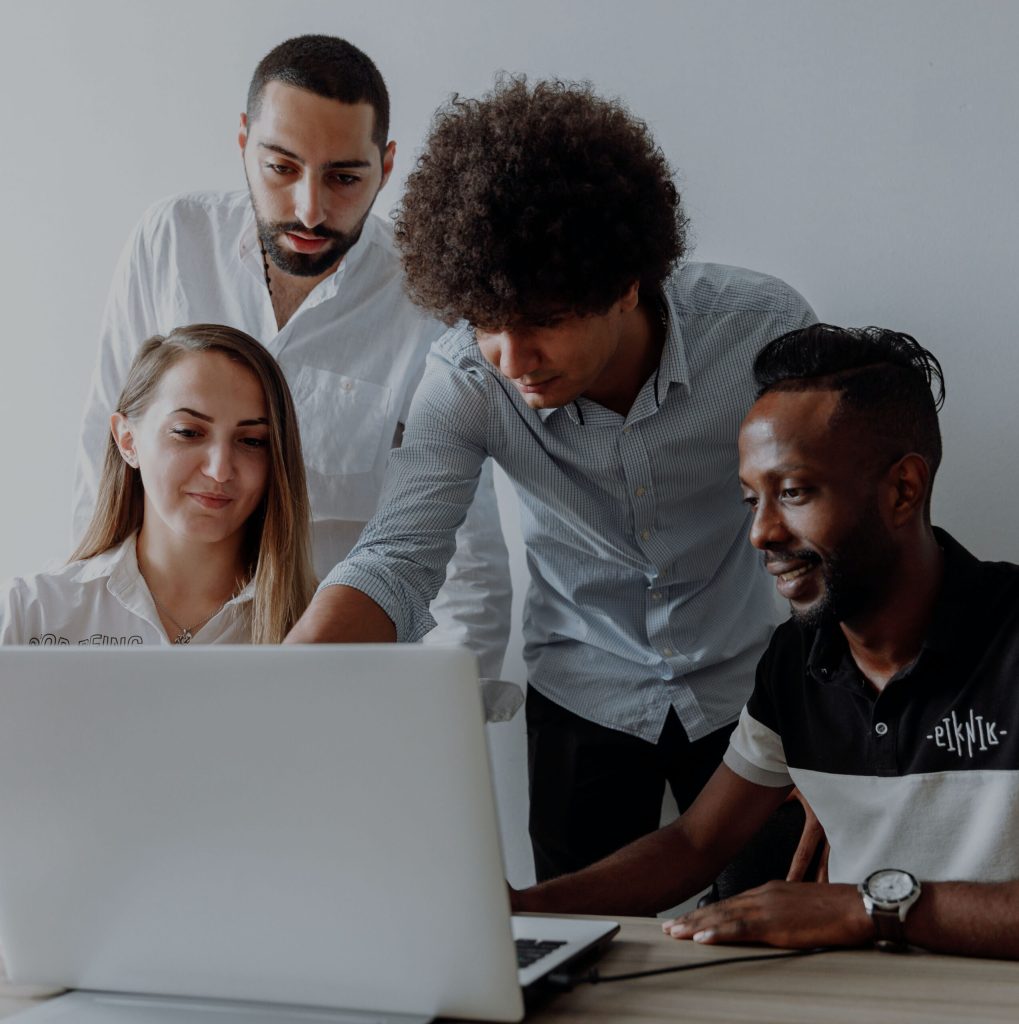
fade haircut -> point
(536, 202)
(890, 387)
(329, 67)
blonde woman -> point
(201, 528)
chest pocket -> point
(344, 421)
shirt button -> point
(880, 728)
(626, 430)
(667, 652)
(656, 595)
(640, 492)
(645, 534)
(347, 385)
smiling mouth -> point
(789, 566)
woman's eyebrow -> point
(260, 421)
(195, 413)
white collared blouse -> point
(104, 601)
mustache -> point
(807, 557)
(282, 227)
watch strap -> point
(891, 932)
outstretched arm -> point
(670, 865)
(382, 591)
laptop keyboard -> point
(530, 951)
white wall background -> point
(864, 151)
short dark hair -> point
(890, 387)
(329, 67)
(535, 202)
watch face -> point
(890, 885)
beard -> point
(856, 575)
(306, 264)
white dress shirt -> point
(104, 601)
(353, 354)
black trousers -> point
(594, 789)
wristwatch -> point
(887, 896)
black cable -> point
(592, 977)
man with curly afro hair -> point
(608, 378)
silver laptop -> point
(308, 827)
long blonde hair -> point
(277, 543)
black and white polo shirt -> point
(923, 776)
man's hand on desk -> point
(794, 915)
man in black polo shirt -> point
(888, 698)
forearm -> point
(967, 918)
(668, 866)
(950, 917)
(342, 615)
(654, 873)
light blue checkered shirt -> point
(645, 593)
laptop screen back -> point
(306, 825)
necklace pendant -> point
(183, 637)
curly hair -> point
(536, 202)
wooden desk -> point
(854, 987)
(857, 987)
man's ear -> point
(908, 482)
(629, 299)
(242, 132)
(388, 156)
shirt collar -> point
(243, 596)
(110, 562)
(123, 579)
(960, 590)
(829, 659)
(120, 565)
(672, 367)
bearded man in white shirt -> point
(298, 261)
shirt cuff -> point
(411, 623)
(745, 770)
